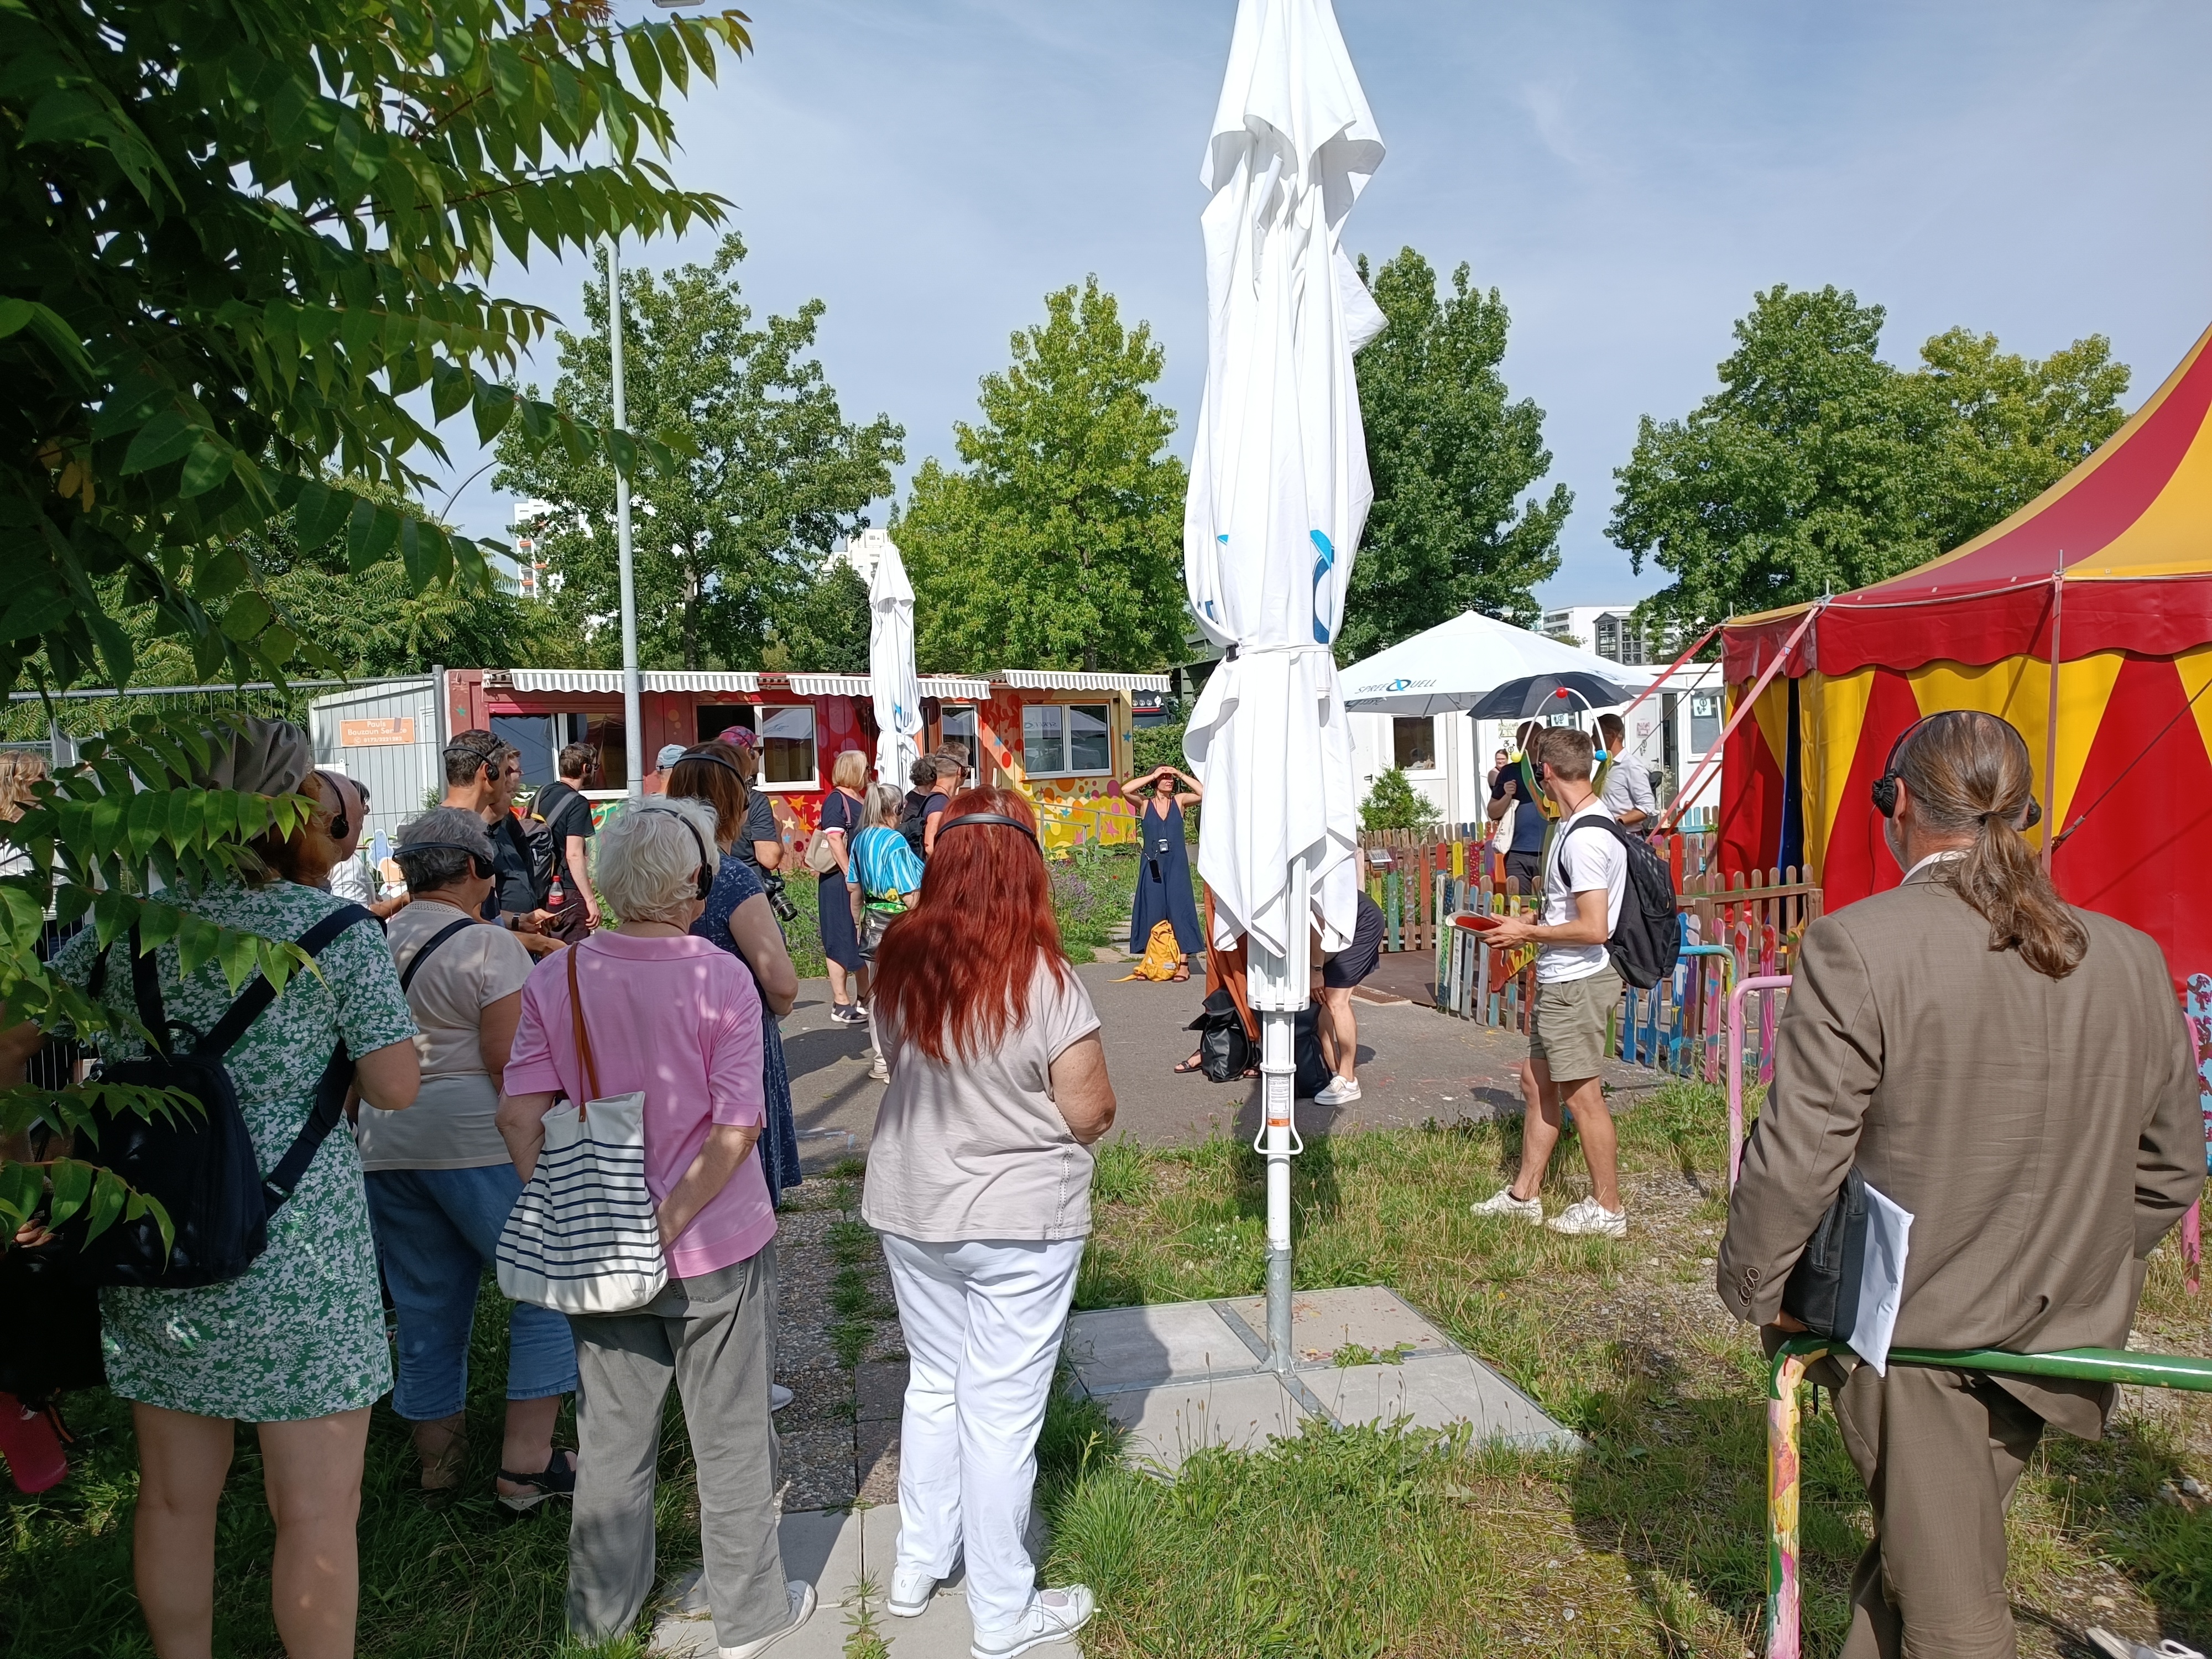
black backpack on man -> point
(1647, 940)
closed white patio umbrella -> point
(896, 689)
(1279, 492)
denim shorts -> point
(436, 1231)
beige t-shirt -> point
(976, 1150)
(450, 1126)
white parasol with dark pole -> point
(1279, 493)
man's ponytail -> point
(1969, 773)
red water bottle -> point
(558, 894)
(28, 1440)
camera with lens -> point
(778, 900)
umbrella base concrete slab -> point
(1182, 1375)
(834, 1550)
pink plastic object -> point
(1744, 988)
(28, 1442)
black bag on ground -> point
(1822, 1290)
(1647, 940)
(1313, 1072)
(200, 1165)
(1224, 1051)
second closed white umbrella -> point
(891, 677)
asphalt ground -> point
(1415, 1064)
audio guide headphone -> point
(1884, 791)
(482, 867)
(340, 824)
(705, 884)
(991, 817)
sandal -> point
(557, 1480)
(1193, 1064)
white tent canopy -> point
(1456, 664)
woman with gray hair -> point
(440, 1182)
(676, 1018)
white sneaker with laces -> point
(1503, 1203)
(1338, 1092)
(802, 1609)
(1587, 1218)
(779, 1396)
(911, 1589)
(1053, 1615)
(879, 1070)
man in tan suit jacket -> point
(2014, 1073)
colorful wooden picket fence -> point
(1734, 928)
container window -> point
(786, 736)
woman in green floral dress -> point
(297, 1344)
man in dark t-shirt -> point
(566, 812)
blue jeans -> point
(436, 1231)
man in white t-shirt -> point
(1585, 878)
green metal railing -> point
(1784, 1474)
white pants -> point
(983, 1320)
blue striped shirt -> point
(883, 865)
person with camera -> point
(2015, 1074)
(738, 918)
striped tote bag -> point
(582, 1238)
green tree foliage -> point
(1818, 467)
(240, 237)
(825, 629)
(728, 542)
(1393, 803)
(1061, 546)
(1452, 460)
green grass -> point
(1364, 1540)
(1360, 1541)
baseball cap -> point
(669, 754)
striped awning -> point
(1059, 679)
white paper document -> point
(1881, 1278)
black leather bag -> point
(1224, 1053)
(1822, 1290)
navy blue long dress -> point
(734, 883)
(840, 939)
(1163, 883)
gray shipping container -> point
(390, 737)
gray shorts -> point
(1566, 1029)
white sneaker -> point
(1502, 1202)
(1053, 1615)
(878, 1071)
(802, 1609)
(779, 1396)
(1587, 1217)
(911, 1589)
(1338, 1091)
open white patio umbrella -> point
(1476, 663)
(1279, 493)
(891, 677)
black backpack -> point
(913, 821)
(1647, 940)
(539, 841)
(201, 1165)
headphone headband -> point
(991, 817)
(1884, 791)
(712, 760)
(708, 861)
(479, 862)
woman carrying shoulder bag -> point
(675, 1019)
(978, 1179)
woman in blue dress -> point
(737, 917)
(1164, 892)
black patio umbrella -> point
(1535, 695)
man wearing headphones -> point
(2015, 1074)
(482, 775)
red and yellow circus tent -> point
(2108, 574)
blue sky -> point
(1626, 173)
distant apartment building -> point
(1608, 631)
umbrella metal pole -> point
(1278, 1077)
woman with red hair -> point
(979, 1180)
